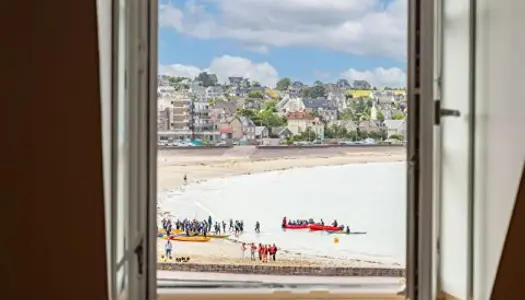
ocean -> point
(367, 197)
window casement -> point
(133, 206)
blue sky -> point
(266, 40)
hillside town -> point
(202, 111)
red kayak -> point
(321, 227)
(289, 226)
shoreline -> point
(172, 166)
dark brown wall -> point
(52, 196)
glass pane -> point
(122, 136)
(266, 166)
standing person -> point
(253, 248)
(167, 249)
(185, 179)
(168, 229)
(260, 248)
(273, 251)
(209, 222)
(243, 249)
(257, 227)
(223, 226)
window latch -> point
(139, 252)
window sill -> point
(260, 295)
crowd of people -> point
(197, 227)
(191, 227)
(265, 252)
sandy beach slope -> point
(208, 164)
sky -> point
(305, 40)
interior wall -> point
(52, 207)
(500, 126)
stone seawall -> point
(282, 270)
(277, 152)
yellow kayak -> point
(161, 230)
(218, 236)
(190, 238)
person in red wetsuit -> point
(273, 251)
(260, 248)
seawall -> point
(281, 270)
(292, 151)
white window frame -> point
(141, 206)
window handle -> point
(443, 112)
(139, 252)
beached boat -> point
(316, 227)
(290, 226)
(190, 238)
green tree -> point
(255, 94)
(347, 114)
(270, 105)
(305, 93)
(317, 91)
(398, 137)
(213, 101)
(398, 115)
(173, 80)
(207, 79)
(318, 82)
(283, 84)
(380, 116)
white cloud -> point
(226, 66)
(380, 77)
(169, 16)
(367, 27)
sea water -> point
(368, 197)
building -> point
(395, 127)
(163, 112)
(200, 117)
(163, 80)
(212, 92)
(238, 128)
(322, 107)
(300, 121)
(188, 119)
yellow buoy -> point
(336, 240)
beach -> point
(201, 165)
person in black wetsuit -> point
(185, 179)
(257, 227)
(347, 231)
